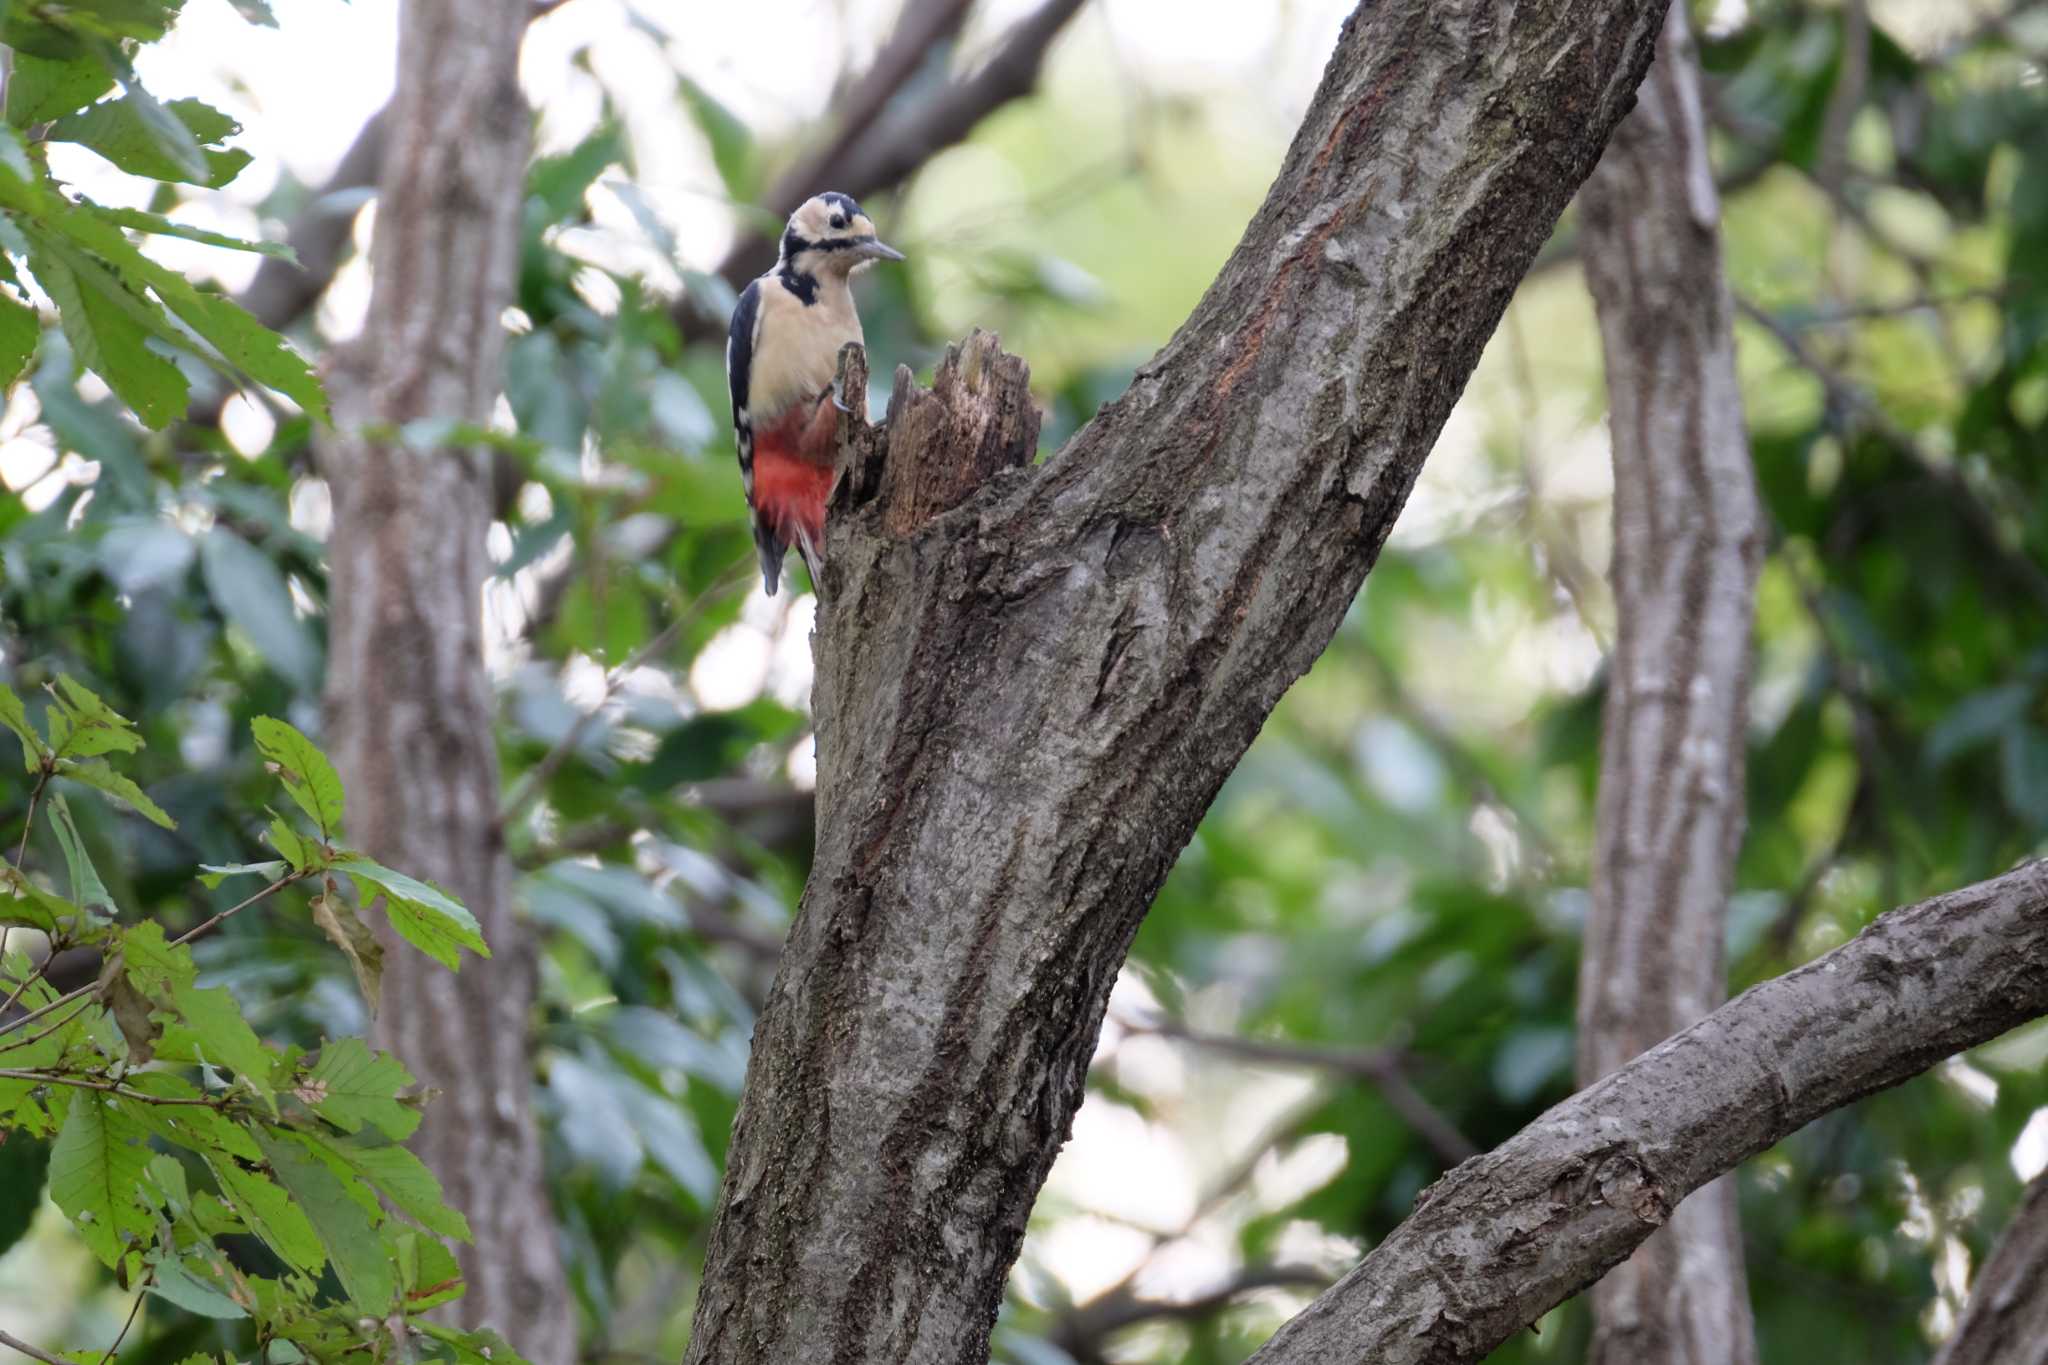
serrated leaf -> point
(270, 1214)
(86, 887)
(23, 902)
(139, 220)
(425, 916)
(94, 727)
(42, 89)
(14, 715)
(96, 1174)
(146, 138)
(244, 342)
(428, 1272)
(345, 1230)
(102, 778)
(152, 962)
(110, 343)
(213, 874)
(309, 779)
(210, 1027)
(405, 1180)
(351, 1086)
(338, 920)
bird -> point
(781, 363)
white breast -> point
(796, 347)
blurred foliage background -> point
(1363, 967)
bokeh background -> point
(1363, 967)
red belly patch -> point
(793, 473)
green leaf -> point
(86, 887)
(269, 1213)
(344, 1229)
(213, 874)
(244, 342)
(21, 330)
(154, 963)
(94, 727)
(309, 779)
(351, 1086)
(731, 143)
(27, 903)
(405, 1180)
(424, 915)
(338, 920)
(14, 715)
(142, 221)
(24, 1161)
(96, 1174)
(111, 343)
(251, 593)
(211, 1028)
(480, 1347)
(176, 1283)
(286, 840)
(162, 142)
(102, 778)
(428, 1272)
(42, 89)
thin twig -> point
(134, 1309)
(55, 1025)
(29, 822)
(535, 778)
(105, 1087)
(13, 1342)
(205, 926)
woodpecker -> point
(781, 359)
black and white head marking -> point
(827, 235)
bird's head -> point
(829, 235)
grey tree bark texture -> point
(1027, 698)
(1505, 1237)
(409, 708)
(2006, 1320)
(1688, 545)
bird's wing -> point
(739, 367)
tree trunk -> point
(1026, 702)
(2006, 1322)
(1688, 543)
(409, 707)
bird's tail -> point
(771, 551)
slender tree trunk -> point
(1687, 547)
(408, 702)
(2006, 1321)
(1027, 699)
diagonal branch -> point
(878, 147)
(1503, 1239)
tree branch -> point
(2006, 1319)
(875, 149)
(1032, 678)
(15, 1343)
(1503, 1239)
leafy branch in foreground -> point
(118, 308)
(170, 1125)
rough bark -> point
(1688, 543)
(1026, 704)
(1509, 1235)
(409, 707)
(2006, 1321)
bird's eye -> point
(838, 220)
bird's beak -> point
(874, 249)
